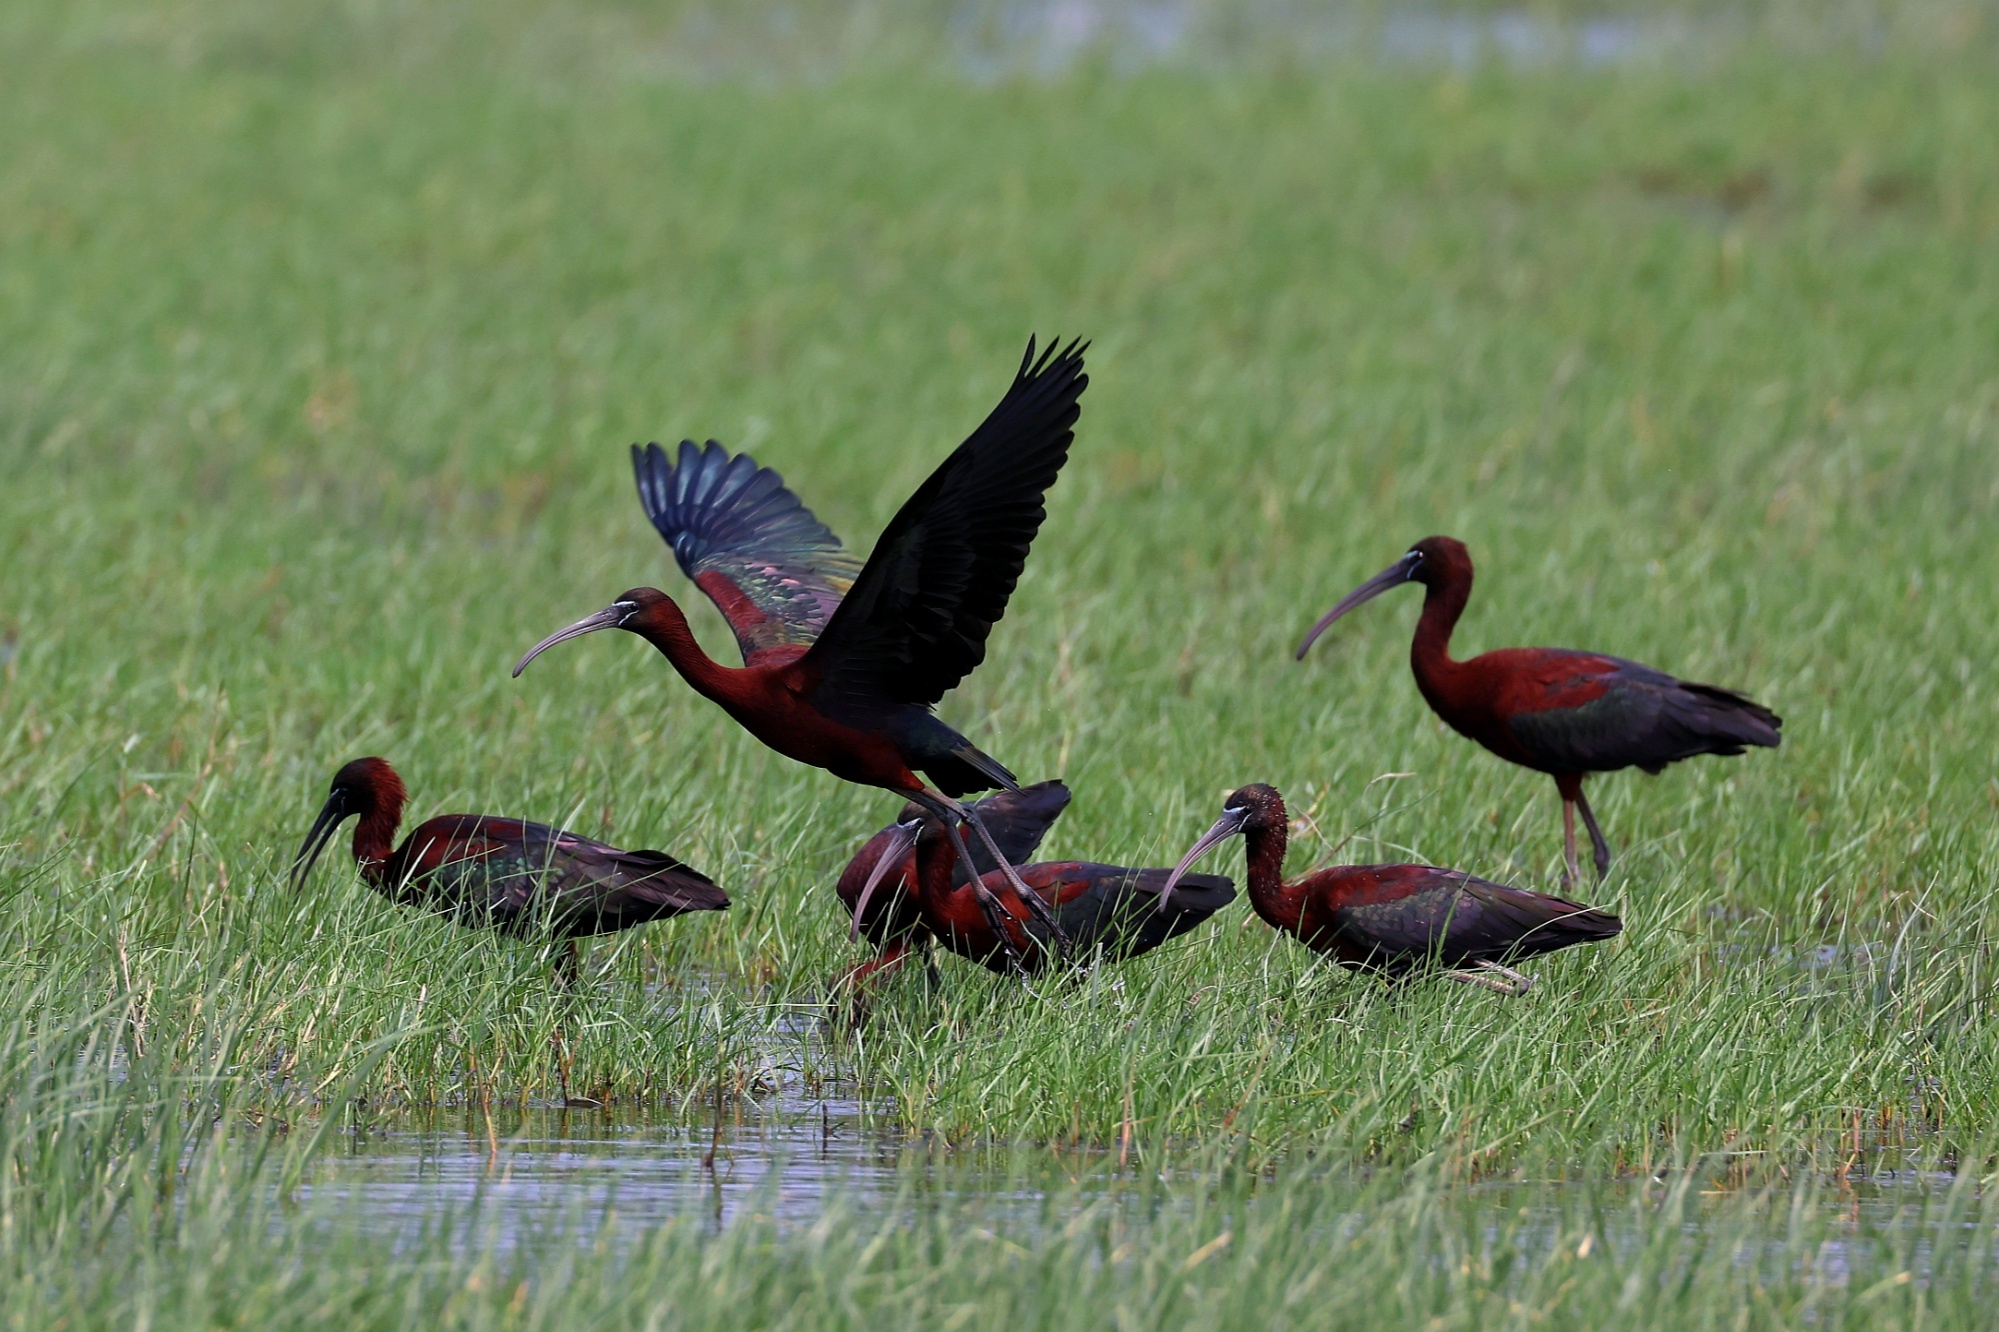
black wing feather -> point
(547, 879)
(1119, 913)
(1018, 820)
(916, 620)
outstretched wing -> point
(1580, 712)
(776, 572)
(916, 621)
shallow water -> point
(994, 40)
(411, 1178)
(991, 39)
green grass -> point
(323, 330)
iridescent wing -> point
(775, 571)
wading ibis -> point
(1396, 920)
(524, 879)
(1555, 710)
(843, 662)
(878, 887)
(1105, 910)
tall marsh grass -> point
(321, 338)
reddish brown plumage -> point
(1555, 710)
(1018, 821)
(843, 662)
(507, 874)
(1107, 911)
(1392, 919)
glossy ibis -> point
(1395, 920)
(882, 905)
(524, 879)
(1554, 710)
(1108, 910)
(842, 664)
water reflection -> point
(409, 1180)
(405, 1175)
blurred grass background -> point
(323, 328)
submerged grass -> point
(148, 1192)
(317, 361)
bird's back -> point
(529, 878)
(1112, 911)
(1396, 918)
(1580, 712)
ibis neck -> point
(935, 859)
(375, 837)
(1430, 655)
(666, 628)
(1274, 900)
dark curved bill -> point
(1227, 826)
(902, 838)
(330, 815)
(1395, 575)
(608, 618)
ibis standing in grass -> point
(524, 879)
(1105, 911)
(843, 662)
(1558, 711)
(1396, 920)
(879, 886)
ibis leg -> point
(932, 800)
(989, 905)
(1000, 922)
(1569, 873)
(1032, 899)
(568, 965)
(1598, 846)
(930, 972)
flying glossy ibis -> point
(524, 879)
(1396, 920)
(1105, 910)
(1555, 710)
(842, 661)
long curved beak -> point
(1227, 826)
(323, 827)
(901, 840)
(608, 618)
(1395, 575)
